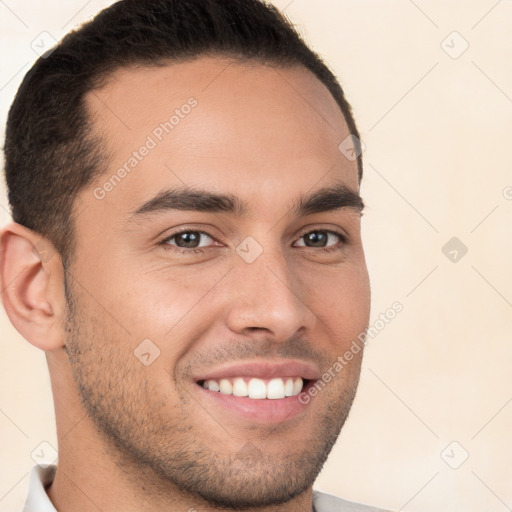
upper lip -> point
(262, 370)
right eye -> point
(188, 240)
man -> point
(186, 249)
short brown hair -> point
(50, 151)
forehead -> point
(243, 128)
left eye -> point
(320, 239)
(189, 239)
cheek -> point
(158, 293)
(341, 299)
(170, 306)
(111, 359)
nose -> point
(266, 296)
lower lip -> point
(262, 410)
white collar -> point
(37, 499)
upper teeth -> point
(256, 388)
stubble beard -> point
(131, 413)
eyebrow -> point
(328, 199)
(188, 199)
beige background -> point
(438, 134)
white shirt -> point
(41, 478)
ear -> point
(32, 286)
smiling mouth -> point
(256, 388)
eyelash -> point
(168, 247)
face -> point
(219, 256)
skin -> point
(135, 437)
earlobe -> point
(32, 284)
